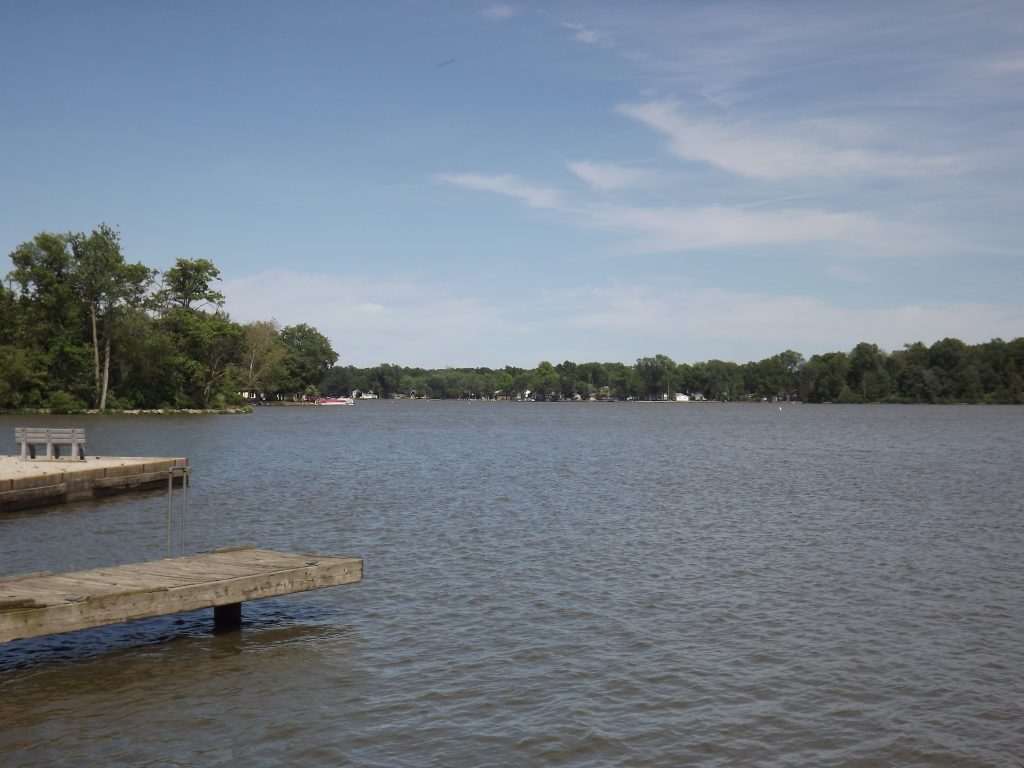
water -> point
(554, 584)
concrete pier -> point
(37, 604)
(26, 483)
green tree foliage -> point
(259, 367)
(186, 285)
(79, 326)
(50, 316)
(22, 378)
(657, 375)
(8, 315)
(823, 378)
(545, 382)
(110, 288)
(308, 358)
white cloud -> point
(814, 149)
(510, 186)
(664, 230)
(692, 324)
(1004, 65)
(368, 321)
(500, 12)
(416, 323)
(669, 229)
(583, 34)
(606, 176)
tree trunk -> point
(106, 375)
(96, 354)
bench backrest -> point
(49, 435)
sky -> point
(485, 184)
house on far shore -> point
(681, 397)
(358, 394)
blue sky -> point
(481, 184)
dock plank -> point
(41, 604)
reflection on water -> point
(555, 584)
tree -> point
(21, 378)
(50, 312)
(260, 365)
(504, 383)
(147, 370)
(623, 381)
(186, 285)
(725, 380)
(206, 345)
(657, 374)
(594, 374)
(545, 381)
(823, 378)
(866, 374)
(386, 379)
(108, 285)
(309, 357)
(8, 315)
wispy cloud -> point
(413, 321)
(583, 34)
(607, 176)
(682, 229)
(370, 321)
(509, 186)
(500, 12)
(759, 151)
(706, 227)
(761, 325)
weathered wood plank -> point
(23, 576)
(84, 599)
(261, 556)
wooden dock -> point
(26, 483)
(36, 604)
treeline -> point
(948, 371)
(80, 327)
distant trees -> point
(948, 371)
(545, 382)
(657, 375)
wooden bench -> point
(53, 439)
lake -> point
(572, 584)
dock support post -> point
(227, 617)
